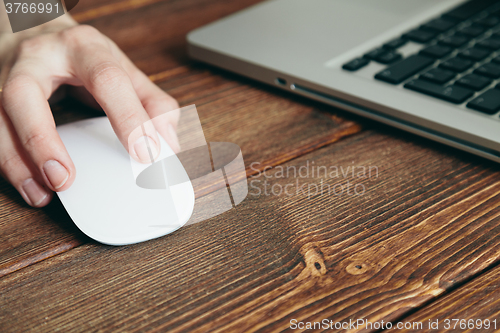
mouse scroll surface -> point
(107, 201)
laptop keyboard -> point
(460, 60)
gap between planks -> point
(345, 130)
(348, 130)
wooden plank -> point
(30, 235)
(167, 22)
(162, 56)
(84, 6)
(90, 10)
(473, 307)
(34, 235)
(427, 221)
(85, 11)
(164, 23)
(230, 112)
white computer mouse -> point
(107, 202)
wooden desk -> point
(421, 242)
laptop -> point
(430, 67)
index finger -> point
(105, 78)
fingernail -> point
(56, 173)
(146, 149)
(36, 194)
(174, 140)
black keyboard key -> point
(489, 43)
(474, 82)
(488, 102)
(456, 64)
(389, 57)
(439, 25)
(356, 64)
(470, 31)
(419, 36)
(468, 9)
(395, 43)
(453, 41)
(438, 75)
(496, 35)
(489, 70)
(488, 22)
(374, 54)
(404, 69)
(436, 51)
(383, 55)
(453, 94)
(474, 54)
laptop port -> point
(280, 81)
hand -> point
(32, 156)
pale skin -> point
(34, 64)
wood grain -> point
(95, 10)
(465, 309)
(84, 6)
(427, 222)
(127, 23)
(165, 22)
(420, 243)
(263, 121)
(30, 235)
(229, 110)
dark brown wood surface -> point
(214, 93)
(473, 307)
(420, 242)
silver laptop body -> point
(302, 45)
